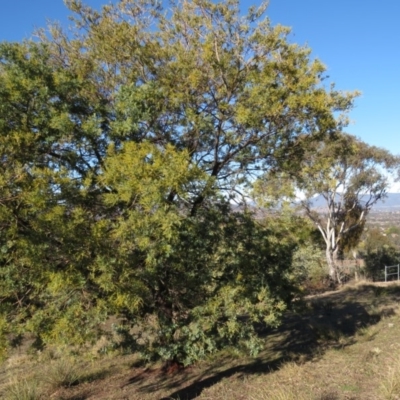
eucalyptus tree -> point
(350, 176)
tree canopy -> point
(122, 143)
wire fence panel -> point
(389, 271)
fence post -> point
(390, 268)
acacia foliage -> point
(121, 143)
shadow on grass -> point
(75, 397)
(327, 322)
(93, 376)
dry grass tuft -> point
(62, 373)
(390, 380)
(23, 389)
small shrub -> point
(375, 261)
(310, 267)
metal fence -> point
(389, 271)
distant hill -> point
(390, 203)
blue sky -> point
(358, 41)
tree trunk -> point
(331, 258)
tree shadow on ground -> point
(324, 322)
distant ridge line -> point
(390, 203)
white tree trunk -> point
(331, 258)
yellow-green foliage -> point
(121, 144)
(140, 178)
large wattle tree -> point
(121, 143)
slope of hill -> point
(338, 345)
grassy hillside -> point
(339, 345)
